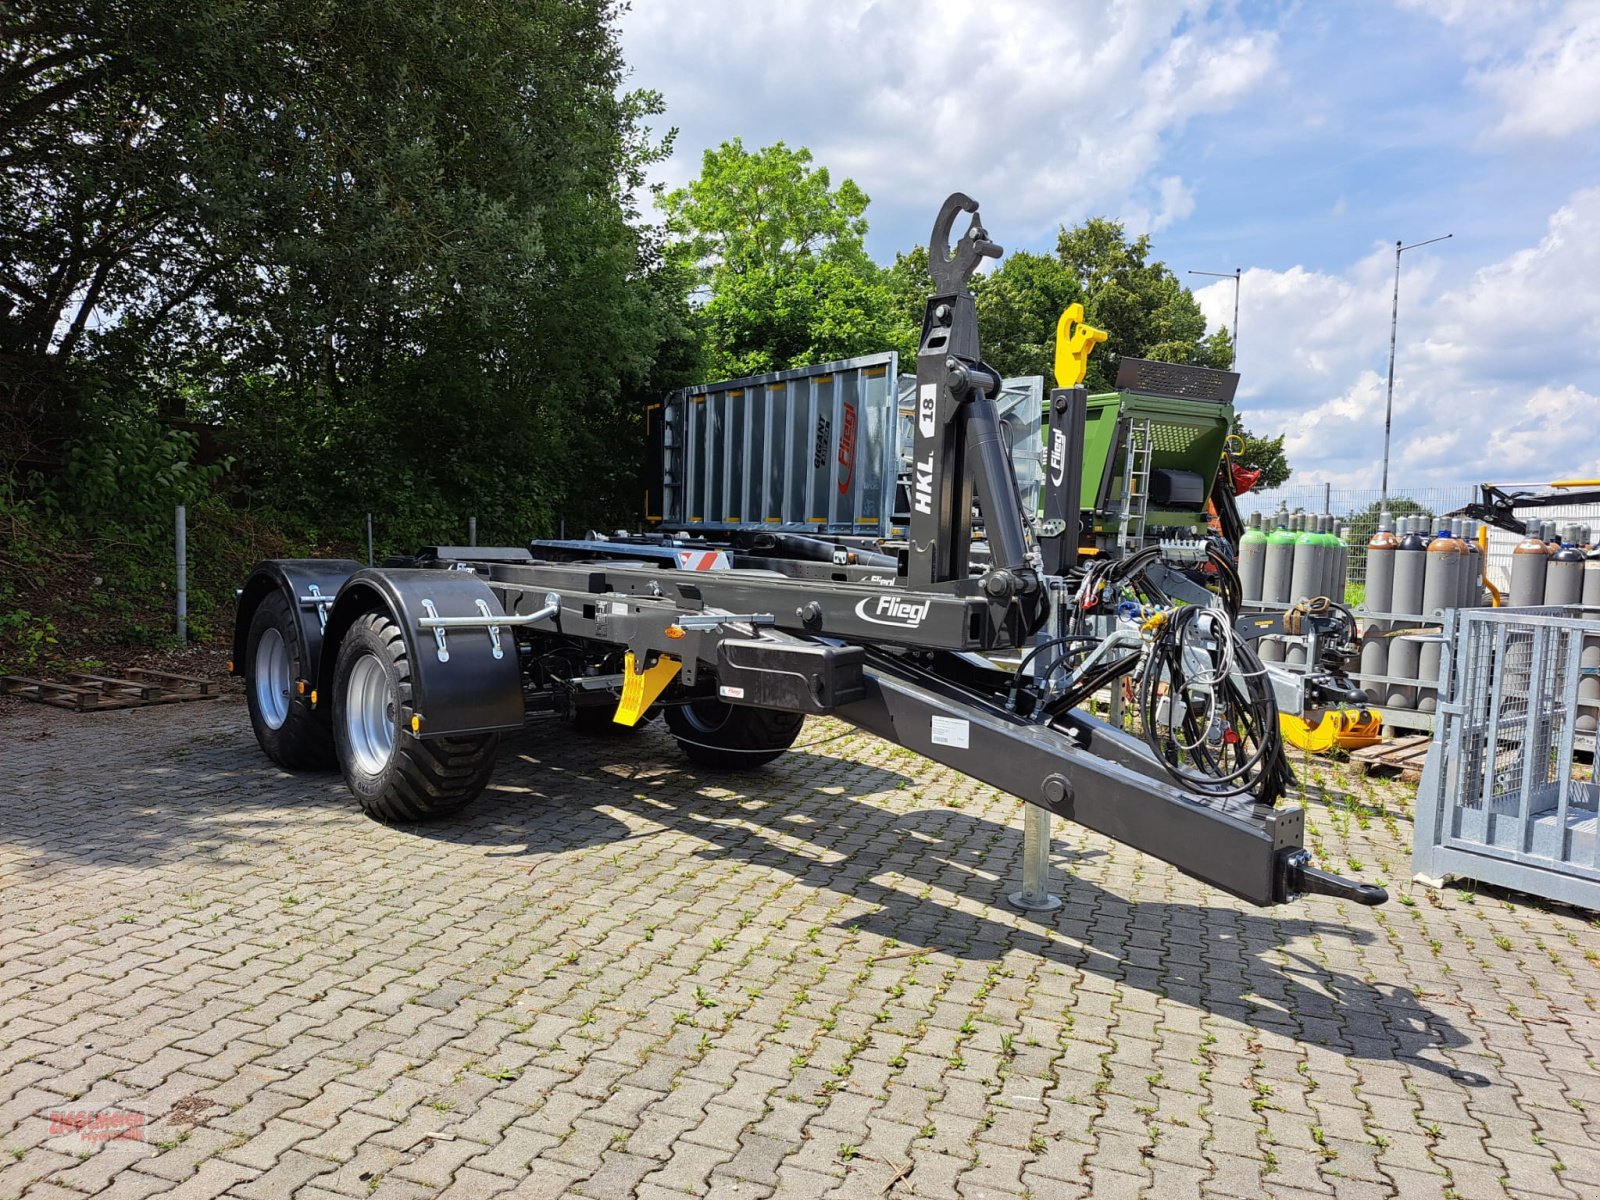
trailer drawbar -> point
(953, 640)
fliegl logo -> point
(893, 610)
(1058, 457)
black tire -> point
(292, 733)
(410, 778)
(714, 734)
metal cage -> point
(1503, 798)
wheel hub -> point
(270, 679)
(369, 715)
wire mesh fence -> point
(1358, 508)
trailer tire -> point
(714, 734)
(395, 775)
(287, 728)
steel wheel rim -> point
(271, 679)
(369, 715)
(700, 721)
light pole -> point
(1394, 326)
(1234, 332)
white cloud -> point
(1541, 62)
(1045, 112)
(1498, 378)
(1553, 89)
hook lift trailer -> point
(406, 675)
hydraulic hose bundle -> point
(1207, 710)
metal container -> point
(1253, 558)
(1380, 596)
(1277, 574)
(1306, 578)
(823, 449)
(1441, 592)
(1528, 560)
(1563, 579)
(1472, 567)
(1410, 569)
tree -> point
(391, 247)
(1144, 307)
(1263, 454)
(779, 258)
(1364, 521)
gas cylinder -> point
(1410, 567)
(1253, 558)
(1472, 569)
(1589, 683)
(1563, 578)
(1380, 596)
(1528, 559)
(1341, 578)
(1441, 590)
(1306, 577)
(1275, 580)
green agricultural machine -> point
(1151, 452)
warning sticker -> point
(951, 731)
(732, 693)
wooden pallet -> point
(135, 687)
(1402, 756)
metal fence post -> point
(182, 532)
(369, 539)
(472, 531)
(1035, 894)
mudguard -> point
(298, 579)
(458, 689)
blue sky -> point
(1297, 141)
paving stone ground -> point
(618, 976)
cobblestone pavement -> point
(616, 976)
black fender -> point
(296, 578)
(468, 690)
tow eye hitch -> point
(1301, 878)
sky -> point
(1296, 141)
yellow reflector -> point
(416, 722)
(231, 671)
(313, 697)
(640, 688)
(674, 632)
(300, 687)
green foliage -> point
(133, 470)
(390, 249)
(779, 263)
(1018, 306)
(1141, 304)
(1364, 521)
(1265, 454)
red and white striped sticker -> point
(702, 560)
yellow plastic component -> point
(416, 722)
(1072, 350)
(1343, 729)
(640, 688)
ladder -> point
(1136, 485)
